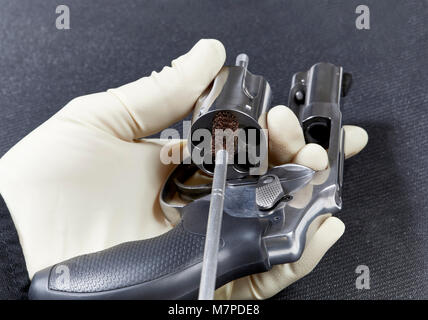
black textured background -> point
(114, 42)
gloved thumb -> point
(150, 104)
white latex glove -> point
(81, 182)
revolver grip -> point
(166, 267)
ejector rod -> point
(215, 216)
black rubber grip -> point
(165, 267)
(130, 263)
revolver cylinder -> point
(248, 97)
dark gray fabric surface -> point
(14, 282)
(114, 42)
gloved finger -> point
(313, 156)
(267, 284)
(285, 135)
(152, 103)
(356, 139)
(316, 225)
(287, 143)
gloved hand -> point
(82, 182)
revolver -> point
(265, 216)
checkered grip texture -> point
(129, 263)
(268, 192)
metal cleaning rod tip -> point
(242, 60)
